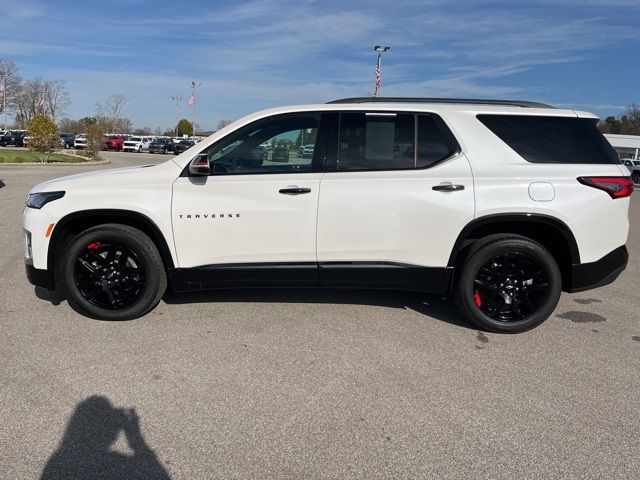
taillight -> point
(616, 187)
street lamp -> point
(192, 100)
(177, 100)
(380, 50)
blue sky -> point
(253, 55)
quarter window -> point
(388, 141)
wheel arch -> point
(76, 222)
(550, 232)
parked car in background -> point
(182, 146)
(136, 144)
(13, 138)
(80, 141)
(161, 145)
(630, 163)
(114, 142)
(307, 151)
(259, 154)
(280, 154)
(67, 139)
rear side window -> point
(541, 139)
(389, 141)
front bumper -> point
(40, 278)
(586, 276)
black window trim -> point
(319, 155)
(331, 164)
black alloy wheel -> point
(109, 275)
(511, 287)
(508, 283)
(111, 272)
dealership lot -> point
(316, 384)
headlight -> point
(39, 200)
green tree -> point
(44, 136)
(185, 127)
(95, 140)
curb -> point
(58, 164)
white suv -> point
(80, 141)
(503, 204)
(136, 144)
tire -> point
(508, 284)
(134, 286)
(636, 178)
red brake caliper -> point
(94, 245)
(477, 298)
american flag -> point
(191, 101)
(378, 83)
(41, 102)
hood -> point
(142, 174)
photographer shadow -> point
(86, 450)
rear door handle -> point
(448, 188)
(294, 191)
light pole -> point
(192, 100)
(380, 50)
(4, 100)
(177, 100)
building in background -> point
(627, 146)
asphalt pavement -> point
(311, 384)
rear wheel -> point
(509, 284)
(635, 177)
(113, 272)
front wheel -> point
(508, 284)
(113, 272)
(635, 177)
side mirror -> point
(199, 166)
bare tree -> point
(29, 100)
(223, 123)
(111, 111)
(56, 97)
(9, 79)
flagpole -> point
(194, 85)
(4, 101)
(380, 50)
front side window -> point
(390, 141)
(285, 144)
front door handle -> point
(448, 188)
(294, 191)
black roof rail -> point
(455, 101)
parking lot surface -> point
(311, 384)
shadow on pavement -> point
(49, 295)
(86, 449)
(2, 184)
(435, 306)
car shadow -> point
(435, 306)
(53, 296)
(2, 184)
(86, 450)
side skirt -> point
(374, 275)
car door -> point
(252, 220)
(396, 194)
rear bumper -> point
(586, 276)
(40, 278)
